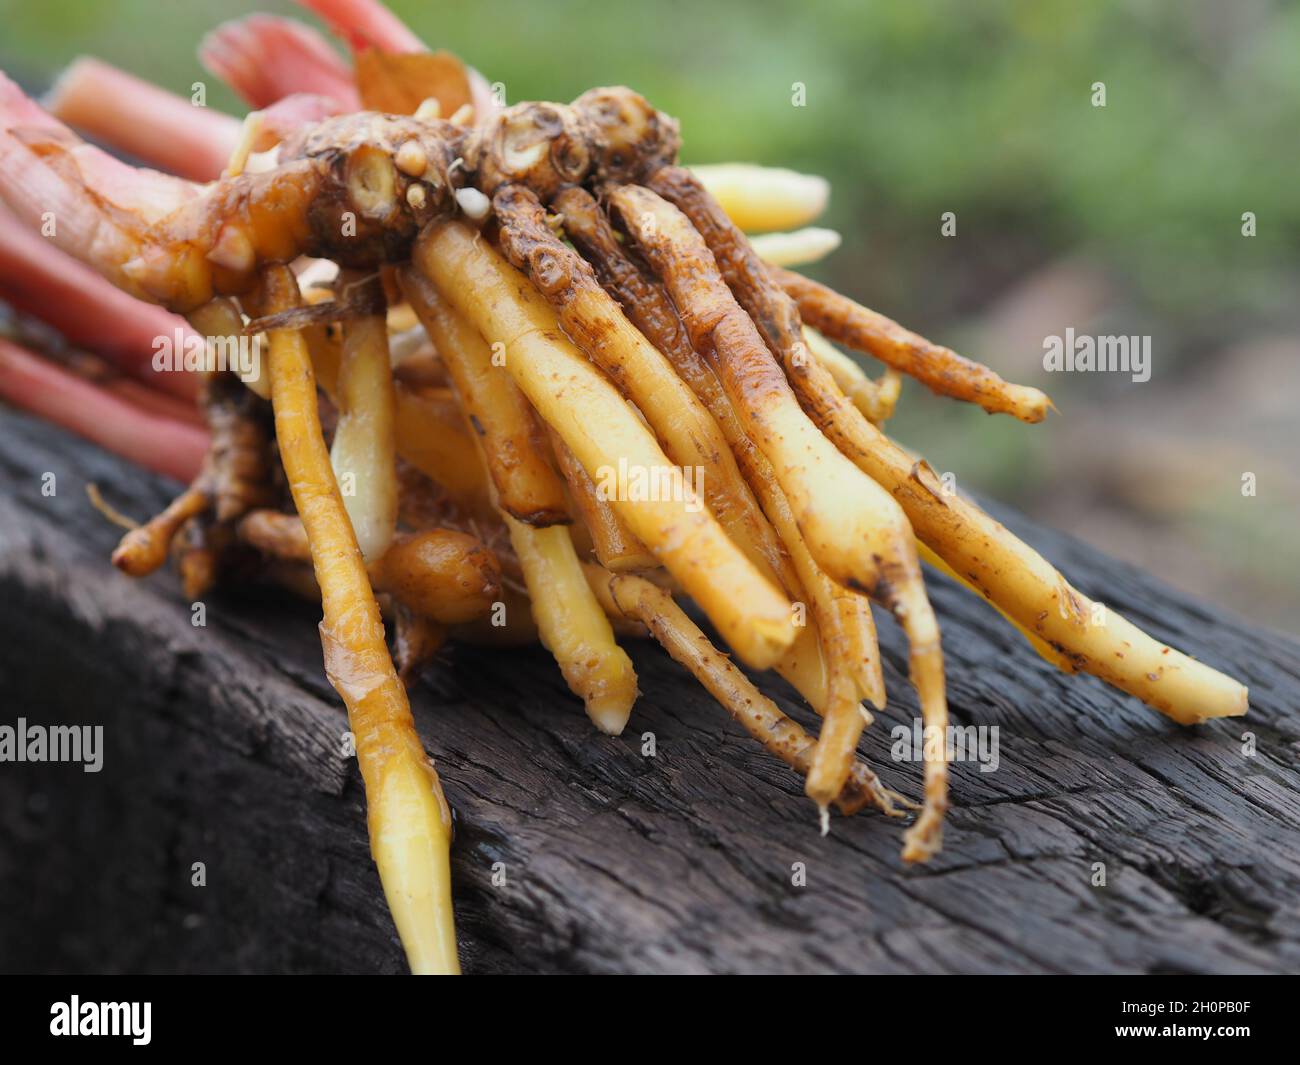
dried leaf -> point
(398, 84)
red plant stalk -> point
(264, 59)
(151, 402)
(44, 282)
(51, 392)
(366, 24)
(142, 120)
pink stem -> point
(40, 280)
(151, 401)
(366, 24)
(87, 202)
(52, 393)
(264, 59)
(140, 119)
(143, 120)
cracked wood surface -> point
(223, 746)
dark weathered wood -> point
(224, 746)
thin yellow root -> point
(1029, 591)
(364, 451)
(274, 534)
(144, 548)
(410, 823)
(507, 433)
(613, 542)
(940, 369)
(430, 428)
(875, 399)
(636, 598)
(572, 625)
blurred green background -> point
(1125, 219)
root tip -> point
(610, 716)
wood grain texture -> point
(224, 746)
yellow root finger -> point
(799, 248)
(364, 451)
(1027, 589)
(508, 435)
(430, 429)
(572, 625)
(609, 440)
(613, 542)
(410, 824)
(761, 198)
(849, 523)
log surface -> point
(576, 853)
